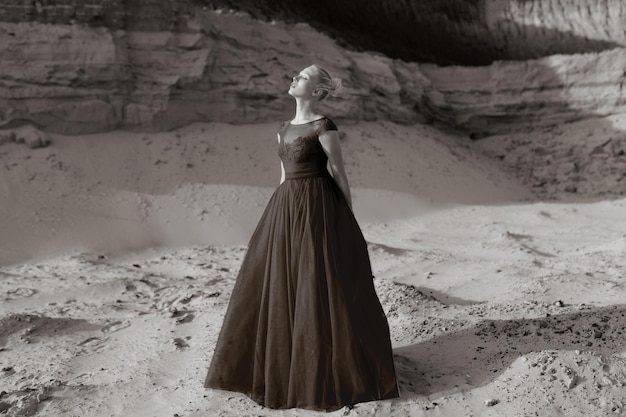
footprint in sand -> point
(188, 298)
(182, 316)
(529, 248)
(115, 326)
(24, 402)
(92, 345)
(90, 341)
(180, 343)
(388, 249)
(22, 292)
(187, 318)
(518, 236)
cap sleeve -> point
(325, 125)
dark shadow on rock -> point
(446, 32)
(535, 103)
(476, 356)
(535, 147)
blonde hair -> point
(328, 85)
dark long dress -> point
(304, 327)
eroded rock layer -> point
(463, 32)
(206, 65)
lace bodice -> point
(299, 144)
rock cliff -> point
(462, 32)
(217, 67)
(511, 96)
(152, 66)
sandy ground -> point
(119, 251)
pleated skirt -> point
(304, 327)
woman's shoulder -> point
(325, 123)
(282, 125)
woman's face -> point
(304, 84)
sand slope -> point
(208, 183)
(120, 250)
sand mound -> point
(208, 184)
(120, 252)
(132, 335)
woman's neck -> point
(305, 111)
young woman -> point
(304, 327)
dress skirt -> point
(304, 327)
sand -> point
(118, 253)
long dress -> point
(304, 327)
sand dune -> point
(119, 252)
(208, 183)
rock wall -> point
(110, 13)
(445, 32)
(525, 29)
(512, 96)
(205, 65)
(149, 15)
(216, 67)
(64, 78)
(461, 32)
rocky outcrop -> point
(457, 32)
(218, 67)
(28, 135)
(230, 67)
(510, 96)
(461, 32)
(64, 78)
(146, 15)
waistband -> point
(296, 175)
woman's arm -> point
(282, 167)
(330, 142)
(282, 172)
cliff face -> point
(525, 95)
(221, 67)
(64, 78)
(148, 15)
(445, 32)
(463, 32)
(159, 66)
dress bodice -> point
(300, 149)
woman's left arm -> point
(282, 166)
(330, 142)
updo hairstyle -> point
(328, 85)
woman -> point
(304, 327)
